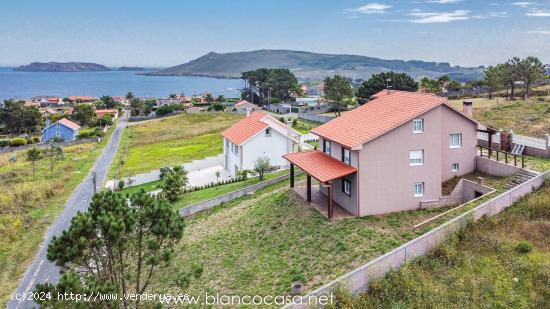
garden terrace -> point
(262, 243)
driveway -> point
(41, 270)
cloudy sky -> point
(165, 33)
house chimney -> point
(289, 124)
(247, 112)
(467, 108)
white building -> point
(258, 135)
(244, 107)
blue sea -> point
(24, 85)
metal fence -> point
(315, 118)
(357, 281)
(485, 137)
(528, 141)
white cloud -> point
(501, 14)
(438, 17)
(543, 32)
(538, 13)
(522, 4)
(443, 1)
(371, 8)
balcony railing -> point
(499, 155)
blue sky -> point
(165, 33)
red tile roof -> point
(385, 113)
(242, 102)
(320, 165)
(68, 123)
(102, 112)
(245, 129)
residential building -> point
(258, 135)
(390, 154)
(243, 107)
(102, 112)
(81, 99)
(63, 129)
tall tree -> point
(33, 155)
(137, 106)
(117, 246)
(84, 114)
(378, 82)
(492, 79)
(16, 118)
(108, 101)
(280, 83)
(54, 154)
(337, 90)
(528, 71)
(129, 95)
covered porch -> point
(325, 169)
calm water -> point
(113, 83)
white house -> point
(244, 107)
(258, 135)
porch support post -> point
(308, 188)
(330, 210)
(490, 133)
(291, 175)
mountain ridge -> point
(309, 65)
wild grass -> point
(170, 141)
(29, 205)
(478, 267)
(260, 244)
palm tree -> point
(129, 96)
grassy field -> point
(304, 126)
(170, 141)
(28, 206)
(260, 244)
(484, 266)
(531, 117)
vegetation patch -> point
(29, 204)
(260, 244)
(479, 267)
(170, 141)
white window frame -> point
(268, 132)
(451, 140)
(346, 159)
(415, 122)
(417, 186)
(346, 187)
(413, 156)
(326, 147)
(453, 168)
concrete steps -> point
(520, 177)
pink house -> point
(389, 154)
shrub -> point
(58, 139)
(18, 141)
(121, 184)
(524, 247)
(35, 139)
(4, 142)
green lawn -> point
(304, 126)
(28, 206)
(204, 194)
(170, 141)
(480, 267)
(262, 243)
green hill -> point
(307, 65)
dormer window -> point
(268, 132)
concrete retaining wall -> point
(358, 280)
(213, 202)
(495, 168)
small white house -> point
(244, 107)
(258, 135)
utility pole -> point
(94, 181)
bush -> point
(35, 139)
(524, 247)
(4, 142)
(18, 141)
(58, 139)
(121, 184)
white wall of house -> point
(273, 146)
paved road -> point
(41, 270)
